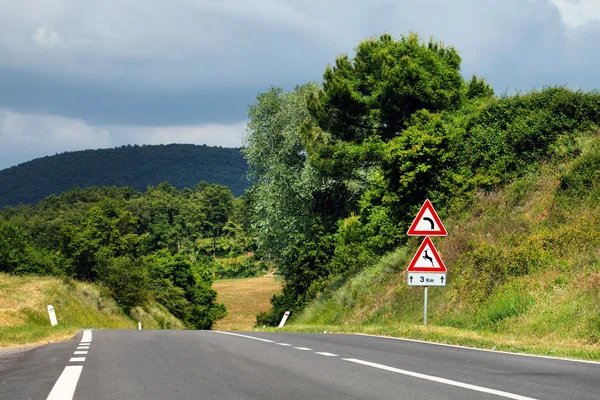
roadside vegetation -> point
(144, 250)
(341, 169)
(524, 273)
(24, 318)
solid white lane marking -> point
(475, 348)
(87, 336)
(245, 336)
(80, 352)
(83, 347)
(302, 348)
(77, 359)
(326, 354)
(64, 388)
(284, 344)
(440, 380)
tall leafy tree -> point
(290, 197)
(284, 184)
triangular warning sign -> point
(427, 222)
(426, 259)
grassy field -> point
(244, 298)
(24, 317)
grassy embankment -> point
(524, 272)
(24, 318)
(244, 298)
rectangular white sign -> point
(426, 279)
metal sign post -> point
(425, 308)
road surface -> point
(122, 364)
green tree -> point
(376, 93)
(185, 290)
(216, 202)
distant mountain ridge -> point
(181, 165)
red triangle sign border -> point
(441, 231)
(411, 266)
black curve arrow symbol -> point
(430, 221)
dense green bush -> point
(583, 178)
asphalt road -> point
(235, 365)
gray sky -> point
(80, 75)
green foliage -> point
(185, 289)
(477, 87)
(387, 81)
(510, 302)
(352, 251)
(240, 267)
(18, 256)
(183, 165)
(141, 247)
(583, 178)
(127, 279)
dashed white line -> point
(284, 344)
(440, 380)
(246, 336)
(77, 359)
(84, 344)
(64, 388)
(83, 347)
(87, 336)
(303, 348)
(326, 354)
(80, 352)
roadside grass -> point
(244, 299)
(24, 317)
(523, 273)
(156, 316)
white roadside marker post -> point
(285, 317)
(139, 326)
(52, 315)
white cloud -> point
(27, 136)
(45, 37)
(576, 13)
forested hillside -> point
(160, 246)
(342, 168)
(182, 165)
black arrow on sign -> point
(430, 221)
(410, 279)
(442, 278)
